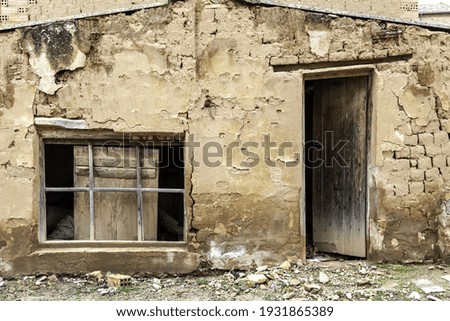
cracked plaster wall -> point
(204, 69)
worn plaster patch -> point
(53, 48)
(417, 103)
(319, 42)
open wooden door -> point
(339, 183)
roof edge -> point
(272, 3)
(160, 3)
(276, 3)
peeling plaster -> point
(54, 48)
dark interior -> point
(59, 172)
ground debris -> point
(299, 282)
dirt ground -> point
(329, 279)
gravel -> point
(330, 280)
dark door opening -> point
(335, 165)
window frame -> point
(89, 142)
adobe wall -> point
(207, 70)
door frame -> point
(344, 72)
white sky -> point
(434, 1)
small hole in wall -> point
(279, 111)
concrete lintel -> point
(61, 122)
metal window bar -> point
(140, 218)
(116, 189)
(91, 193)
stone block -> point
(432, 174)
(403, 153)
(440, 138)
(417, 174)
(439, 161)
(426, 139)
(417, 151)
(402, 165)
(432, 150)
(411, 140)
(424, 163)
(416, 187)
(431, 187)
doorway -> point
(336, 142)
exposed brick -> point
(431, 187)
(426, 139)
(432, 174)
(445, 173)
(402, 165)
(417, 151)
(411, 140)
(440, 161)
(432, 150)
(417, 174)
(440, 138)
(416, 187)
(405, 129)
(403, 153)
(424, 163)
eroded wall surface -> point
(231, 73)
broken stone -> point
(41, 280)
(261, 268)
(2, 283)
(251, 284)
(362, 282)
(257, 278)
(428, 287)
(313, 288)
(414, 296)
(286, 265)
(323, 278)
(97, 275)
(105, 291)
(363, 271)
(294, 282)
(348, 295)
(446, 277)
(53, 279)
(433, 298)
(288, 296)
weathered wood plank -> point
(339, 200)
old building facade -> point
(223, 133)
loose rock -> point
(257, 278)
(97, 275)
(414, 296)
(294, 282)
(53, 279)
(313, 288)
(323, 278)
(286, 265)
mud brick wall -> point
(210, 69)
